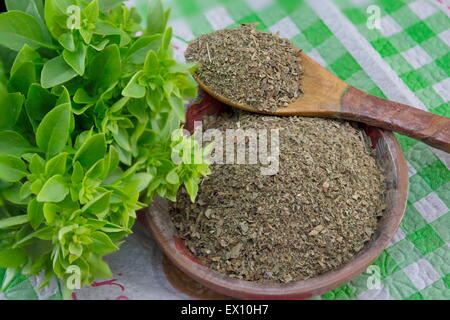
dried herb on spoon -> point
(247, 66)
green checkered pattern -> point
(410, 35)
(414, 43)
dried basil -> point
(315, 215)
(249, 67)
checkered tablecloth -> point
(406, 60)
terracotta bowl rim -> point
(232, 287)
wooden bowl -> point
(391, 158)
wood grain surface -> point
(427, 127)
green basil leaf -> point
(50, 212)
(98, 268)
(138, 50)
(187, 88)
(44, 233)
(178, 107)
(136, 135)
(119, 104)
(82, 137)
(112, 161)
(35, 212)
(12, 258)
(10, 107)
(154, 99)
(26, 54)
(112, 228)
(25, 191)
(165, 43)
(53, 132)
(166, 17)
(80, 109)
(13, 221)
(65, 230)
(77, 58)
(133, 89)
(56, 165)
(92, 150)
(172, 177)
(100, 46)
(97, 171)
(36, 186)
(107, 94)
(34, 8)
(12, 194)
(98, 206)
(13, 143)
(124, 156)
(39, 102)
(105, 68)
(138, 109)
(64, 96)
(102, 244)
(54, 190)
(109, 4)
(168, 88)
(56, 71)
(155, 17)
(7, 57)
(137, 182)
(86, 35)
(22, 78)
(151, 65)
(55, 16)
(12, 168)
(9, 276)
(171, 124)
(67, 41)
(191, 188)
(18, 28)
(183, 68)
(75, 250)
(82, 97)
(122, 138)
(37, 164)
(107, 28)
(78, 173)
(19, 5)
(91, 11)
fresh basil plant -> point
(89, 102)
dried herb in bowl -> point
(313, 216)
(249, 67)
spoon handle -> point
(427, 127)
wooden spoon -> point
(328, 96)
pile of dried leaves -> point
(249, 67)
(313, 216)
